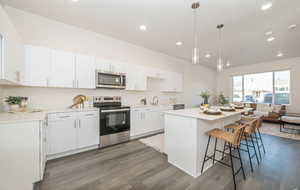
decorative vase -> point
(14, 107)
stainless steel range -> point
(114, 120)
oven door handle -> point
(118, 110)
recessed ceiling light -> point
(75, 0)
(270, 39)
(207, 55)
(266, 6)
(268, 33)
(178, 43)
(292, 26)
(279, 54)
(143, 28)
(228, 64)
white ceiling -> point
(169, 21)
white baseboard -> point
(68, 153)
(146, 134)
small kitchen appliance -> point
(110, 80)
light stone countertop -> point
(147, 106)
(16, 117)
(65, 110)
(6, 117)
(197, 113)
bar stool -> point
(233, 140)
(258, 138)
(249, 131)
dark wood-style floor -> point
(134, 166)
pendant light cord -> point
(220, 27)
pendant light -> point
(220, 64)
(196, 52)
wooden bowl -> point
(210, 112)
(229, 109)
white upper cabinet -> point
(136, 78)
(37, 66)
(103, 65)
(53, 68)
(63, 69)
(173, 82)
(85, 71)
(141, 81)
(155, 73)
(106, 65)
(11, 52)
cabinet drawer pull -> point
(89, 114)
(62, 117)
(117, 110)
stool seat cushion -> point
(291, 119)
(220, 134)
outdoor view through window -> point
(268, 88)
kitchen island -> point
(185, 138)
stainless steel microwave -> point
(110, 80)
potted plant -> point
(222, 99)
(205, 96)
(14, 102)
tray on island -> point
(212, 112)
(229, 109)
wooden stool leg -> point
(254, 149)
(261, 140)
(214, 156)
(241, 161)
(232, 165)
(205, 154)
(249, 155)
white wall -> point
(41, 31)
(224, 82)
(13, 49)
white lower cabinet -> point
(88, 131)
(137, 122)
(145, 121)
(69, 133)
(61, 133)
(22, 154)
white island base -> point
(185, 138)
